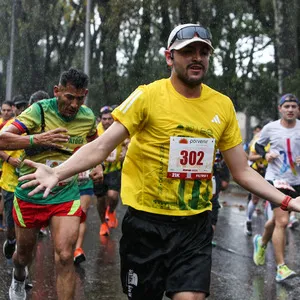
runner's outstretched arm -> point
(85, 158)
(249, 179)
(11, 138)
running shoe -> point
(79, 256)
(104, 229)
(283, 272)
(9, 248)
(113, 221)
(259, 251)
(28, 283)
(17, 289)
(293, 222)
(248, 228)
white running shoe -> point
(17, 289)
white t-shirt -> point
(286, 143)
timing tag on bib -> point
(191, 158)
(84, 176)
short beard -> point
(190, 82)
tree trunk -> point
(286, 40)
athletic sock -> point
(250, 210)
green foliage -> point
(292, 84)
(128, 38)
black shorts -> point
(286, 192)
(8, 198)
(111, 181)
(165, 253)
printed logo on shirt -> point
(216, 119)
(190, 128)
(77, 140)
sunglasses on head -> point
(106, 108)
(187, 33)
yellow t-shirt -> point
(112, 163)
(1, 162)
(261, 161)
(152, 115)
(9, 178)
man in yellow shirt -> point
(9, 181)
(6, 115)
(259, 164)
(175, 124)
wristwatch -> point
(285, 203)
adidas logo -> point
(216, 119)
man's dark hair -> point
(18, 99)
(37, 96)
(257, 127)
(74, 77)
(9, 103)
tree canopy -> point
(128, 38)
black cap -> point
(19, 99)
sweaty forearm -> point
(93, 153)
(11, 141)
(256, 184)
(87, 157)
(249, 178)
(4, 156)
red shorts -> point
(31, 215)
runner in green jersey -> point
(61, 210)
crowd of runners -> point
(175, 141)
(44, 120)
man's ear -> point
(56, 90)
(169, 57)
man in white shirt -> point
(283, 172)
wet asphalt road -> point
(234, 275)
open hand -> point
(44, 178)
(270, 156)
(294, 205)
(15, 162)
(52, 138)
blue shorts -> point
(86, 187)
